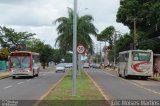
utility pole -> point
(97, 53)
(100, 54)
(115, 36)
(135, 37)
(105, 56)
(74, 69)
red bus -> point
(24, 63)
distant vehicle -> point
(97, 66)
(68, 65)
(92, 65)
(23, 63)
(86, 65)
(60, 67)
(136, 63)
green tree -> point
(57, 56)
(46, 54)
(68, 58)
(146, 14)
(35, 45)
(122, 44)
(14, 40)
(107, 35)
(84, 30)
(4, 53)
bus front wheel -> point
(13, 77)
(119, 73)
(144, 78)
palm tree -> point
(107, 35)
(84, 30)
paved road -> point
(121, 89)
(27, 88)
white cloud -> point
(36, 16)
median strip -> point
(86, 95)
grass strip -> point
(87, 93)
(4, 76)
(155, 79)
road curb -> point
(98, 87)
(49, 90)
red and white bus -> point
(24, 63)
(136, 63)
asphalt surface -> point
(28, 88)
(117, 88)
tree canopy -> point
(146, 14)
(84, 30)
(13, 40)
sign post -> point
(80, 50)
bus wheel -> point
(119, 73)
(144, 78)
(37, 75)
(33, 74)
(13, 77)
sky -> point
(37, 16)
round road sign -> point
(80, 49)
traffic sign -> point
(80, 49)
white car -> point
(68, 65)
(60, 68)
(86, 65)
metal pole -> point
(97, 53)
(74, 69)
(79, 64)
(115, 36)
(105, 57)
(100, 54)
(134, 37)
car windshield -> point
(60, 65)
(141, 56)
(20, 62)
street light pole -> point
(115, 37)
(74, 69)
(100, 54)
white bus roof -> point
(135, 50)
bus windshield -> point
(141, 56)
(20, 62)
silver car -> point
(60, 67)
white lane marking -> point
(20, 83)
(133, 83)
(28, 80)
(8, 87)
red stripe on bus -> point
(136, 66)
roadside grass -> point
(86, 93)
(4, 75)
(155, 78)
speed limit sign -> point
(80, 49)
